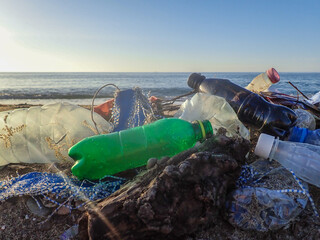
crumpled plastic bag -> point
(305, 119)
(217, 110)
(44, 134)
(268, 198)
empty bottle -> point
(263, 81)
(43, 134)
(108, 154)
(302, 158)
(249, 107)
(304, 135)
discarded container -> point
(305, 119)
(204, 106)
(44, 134)
(302, 158)
(250, 107)
(304, 135)
(115, 152)
(269, 198)
(263, 81)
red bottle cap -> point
(273, 75)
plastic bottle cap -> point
(195, 80)
(264, 145)
(273, 75)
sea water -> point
(79, 88)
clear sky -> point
(159, 36)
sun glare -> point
(16, 57)
(4, 46)
(4, 34)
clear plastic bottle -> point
(302, 158)
(304, 135)
(250, 107)
(108, 154)
(43, 134)
(204, 106)
(263, 81)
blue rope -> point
(306, 192)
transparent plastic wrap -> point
(305, 119)
(217, 110)
(268, 198)
(44, 134)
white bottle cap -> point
(264, 145)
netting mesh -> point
(63, 187)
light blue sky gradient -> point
(150, 35)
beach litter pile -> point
(128, 169)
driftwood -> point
(172, 199)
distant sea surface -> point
(79, 88)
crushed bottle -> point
(249, 107)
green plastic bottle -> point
(111, 153)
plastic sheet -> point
(267, 198)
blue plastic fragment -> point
(131, 108)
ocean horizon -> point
(79, 87)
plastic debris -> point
(315, 99)
(305, 119)
(263, 81)
(302, 158)
(105, 109)
(131, 148)
(304, 135)
(267, 198)
(131, 109)
(44, 134)
(250, 108)
(291, 102)
(215, 109)
(63, 187)
(70, 233)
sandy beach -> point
(22, 219)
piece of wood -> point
(171, 200)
